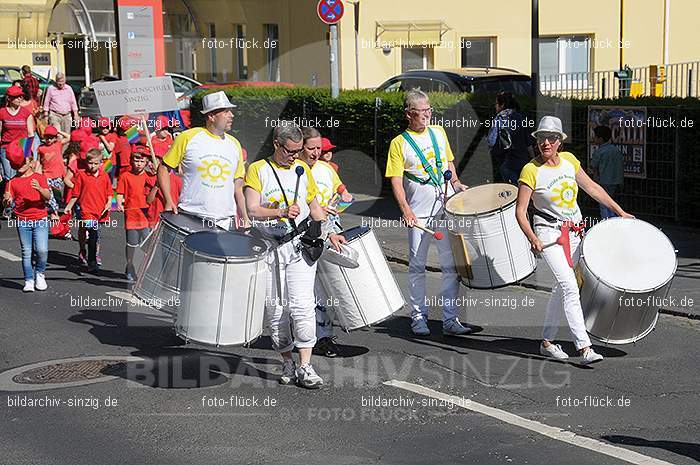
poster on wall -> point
(628, 126)
(140, 32)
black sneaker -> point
(327, 347)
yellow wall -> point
(301, 38)
(29, 26)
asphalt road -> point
(185, 403)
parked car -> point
(87, 103)
(460, 80)
(8, 74)
(183, 101)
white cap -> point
(215, 101)
(550, 124)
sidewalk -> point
(394, 242)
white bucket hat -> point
(215, 101)
(550, 124)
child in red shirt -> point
(94, 192)
(161, 140)
(108, 142)
(28, 191)
(156, 200)
(52, 165)
(131, 199)
(122, 146)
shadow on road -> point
(502, 345)
(689, 449)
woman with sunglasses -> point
(551, 181)
(16, 122)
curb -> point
(538, 287)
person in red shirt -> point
(28, 192)
(108, 143)
(52, 164)
(327, 152)
(156, 200)
(131, 199)
(122, 146)
(16, 122)
(31, 82)
(161, 140)
(94, 192)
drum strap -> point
(435, 178)
(284, 195)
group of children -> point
(81, 172)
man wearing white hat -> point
(212, 167)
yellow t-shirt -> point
(424, 199)
(261, 178)
(554, 188)
(402, 156)
(327, 180)
(210, 164)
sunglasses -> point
(551, 138)
(291, 152)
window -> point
(478, 51)
(212, 51)
(241, 52)
(272, 35)
(562, 55)
(416, 58)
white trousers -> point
(565, 295)
(290, 302)
(324, 313)
(418, 246)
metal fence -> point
(681, 80)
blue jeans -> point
(605, 212)
(34, 239)
(7, 171)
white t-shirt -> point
(210, 164)
(327, 181)
(261, 178)
(424, 199)
(554, 187)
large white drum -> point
(223, 284)
(365, 295)
(624, 272)
(489, 247)
(156, 283)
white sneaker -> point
(590, 356)
(40, 283)
(454, 328)
(28, 285)
(553, 350)
(289, 372)
(307, 377)
(420, 327)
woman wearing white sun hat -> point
(551, 180)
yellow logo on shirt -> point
(214, 171)
(566, 195)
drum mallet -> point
(447, 175)
(336, 197)
(300, 172)
(436, 234)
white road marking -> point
(535, 426)
(123, 295)
(9, 256)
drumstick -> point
(299, 171)
(336, 197)
(436, 234)
(447, 175)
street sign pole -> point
(335, 90)
(330, 12)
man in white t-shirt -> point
(418, 159)
(212, 167)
